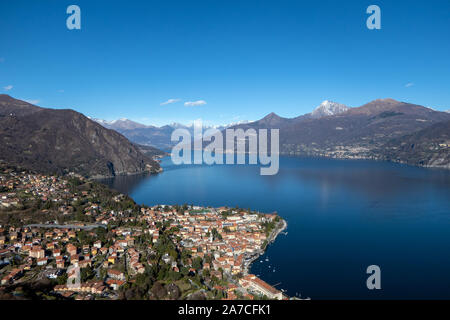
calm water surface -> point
(342, 215)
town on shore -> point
(67, 237)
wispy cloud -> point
(61, 91)
(169, 101)
(409, 84)
(195, 103)
(2, 59)
(7, 88)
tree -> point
(158, 290)
(216, 234)
(197, 263)
(173, 291)
(62, 279)
(101, 234)
(86, 274)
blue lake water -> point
(343, 215)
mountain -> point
(158, 137)
(61, 141)
(271, 121)
(325, 109)
(330, 130)
(357, 131)
(337, 131)
(13, 107)
(120, 124)
(151, 152)
(328, 108)
(141, 134)
(428, 147)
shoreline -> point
(272, 237)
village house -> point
(115, 284)
(115, 274)
(37, 252)
(253, 284)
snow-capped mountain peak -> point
(328, 108)
(119, 124)
(120, 120)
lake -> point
(342, 215)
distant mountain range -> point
(61, 141)
(159, 137)
(274, 121)
(380, 129)
(120, 124)
(148, 135)
(377, 130)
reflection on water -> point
(381, 179)
(125, 184)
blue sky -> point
(243, 58)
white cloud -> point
(195, 103)
(409, 84)
(7, 88)
(169, 101)
(61, 91)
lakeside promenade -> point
(281, 226)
